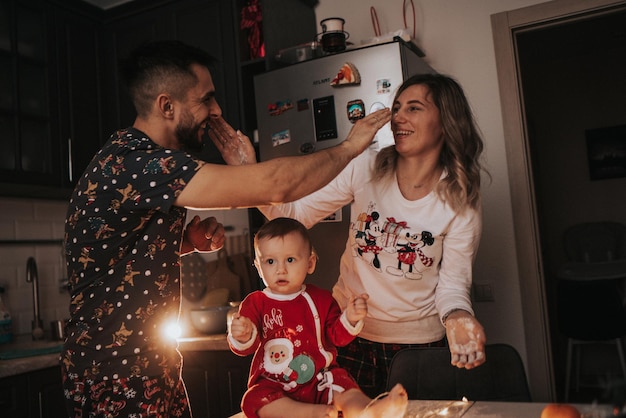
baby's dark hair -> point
(280, 227)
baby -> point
(293, 330)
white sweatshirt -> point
(395, 252)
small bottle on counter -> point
(6, 324)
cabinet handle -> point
(70, 165)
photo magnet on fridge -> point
(278, 108)
(281, 137)
(356, 110)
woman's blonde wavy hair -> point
(462, 145)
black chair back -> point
(426, 374)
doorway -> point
(560, 67)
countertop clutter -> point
(471, 409)
(24, 355)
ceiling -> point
(106, 4)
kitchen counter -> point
(203, 343)
(43, 354)
(24, 355)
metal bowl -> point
(209, 320)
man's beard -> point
(188, 135)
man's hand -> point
(203, 235)
(364, 130)
(466, 338)
(235, 147)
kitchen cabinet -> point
(37, 394)
(49, 100)
(285, 23)
(78, 102)
(215, 381)
(30, 154)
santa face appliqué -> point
(280, 365)
(278, 354)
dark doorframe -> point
(535, 307)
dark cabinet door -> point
(37, 394)
(13, 396)
(215, 381)
(79, 100)
(50, 124)
(45, 391)
(30, 153)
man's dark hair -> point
(158, 67)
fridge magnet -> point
(348, 74)
(303, 104)
(356, 110)
(278, 108)
(383, 86)
(281, 137)
(606, 152)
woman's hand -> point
(466, 338)
(235, 147)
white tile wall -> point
(32, 219)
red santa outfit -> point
(294, 344)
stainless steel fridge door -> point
(299, 111)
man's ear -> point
(165, 105)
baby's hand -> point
(357, 308)
(241, 328)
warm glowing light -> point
(172, 330)
(464, 399)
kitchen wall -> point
(456, 37)
(27, 220)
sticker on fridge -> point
(281, 137)
(278, 108)
(383, 86)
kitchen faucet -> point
(33, 277)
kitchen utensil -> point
(210, 320)
(194, 276)
(299, 53)
(220, 276)
(333, 35)
(332, 24)
(57, 330)
(215, 297)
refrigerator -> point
(312, 105)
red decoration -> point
(251, 19)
